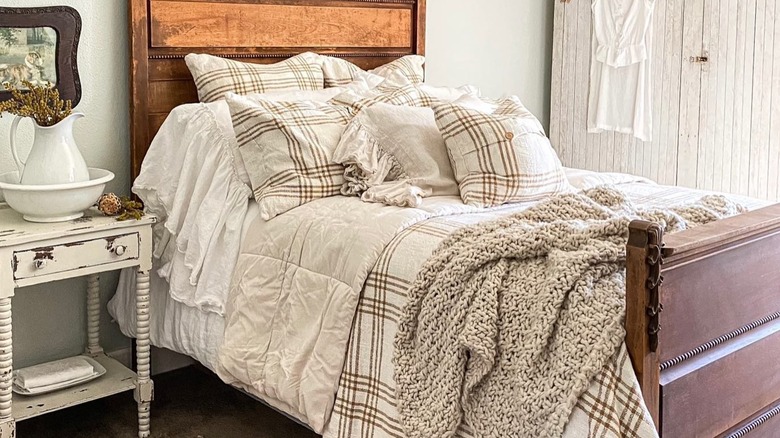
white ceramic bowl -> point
(53, 203)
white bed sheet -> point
(174, 325)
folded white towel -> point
(53, 373)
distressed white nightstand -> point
(40, 253)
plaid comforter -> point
(365, 404)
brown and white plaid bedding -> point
(406, 95)
(215, 76)
(287, 148)
(365, 403)
(502, 157)
(410, 67)
(339, 72)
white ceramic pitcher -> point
(54, 157)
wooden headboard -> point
(367, 32)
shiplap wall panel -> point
(773, 180)
(716, 125)
(746, 33)
(651, 166)
(582, 71)
(559, 20)
(708, 89)
(717, 80)
(762, 75)
(688, 150)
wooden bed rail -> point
(703, 324)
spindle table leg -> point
(7, 424)
(144, 393)
(93, 315)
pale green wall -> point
(503, 46)
(49, 321)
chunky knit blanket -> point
(510, 320)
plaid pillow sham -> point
(407, 95)
(339, 72)
(502, 157)
(411, 67)
(287, 148)
(215, 76)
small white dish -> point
(53, 203)
(99, 371)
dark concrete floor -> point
(190, 403)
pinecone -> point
(110, 204)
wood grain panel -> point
(155, 121)
(174, 68)
(210, 24)
(763, 424)
(167, 95)
(722, 386)
(704, 297)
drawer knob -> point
(40, 263)
(120, 250)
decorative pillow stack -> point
(287, 148)
(215, 76)
(339, 72)
(500, 158)
(384, 136)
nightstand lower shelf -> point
(118, 378)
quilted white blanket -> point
(296, 287)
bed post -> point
(643, 279)
(139, 80)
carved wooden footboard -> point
(703, 325)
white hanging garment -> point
(620, 89)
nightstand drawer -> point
(74, 255)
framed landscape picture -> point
(40, 45)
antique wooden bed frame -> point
(703, 306)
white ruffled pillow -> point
(450, 94)
(387, 143)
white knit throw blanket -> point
(509, 321)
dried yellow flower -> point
(40, 102)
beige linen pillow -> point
(287, 148)
(396, 143)
(215, 76)
(339, 72)
(500, 158)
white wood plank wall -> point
(716, 125)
